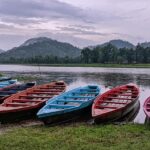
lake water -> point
(106, 78)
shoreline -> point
(89, 65)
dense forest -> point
(111, 54)
(107, 54)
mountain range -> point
(117, 43)
(1, 51)
(43, 46)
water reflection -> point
(106, 80)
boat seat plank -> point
(128, 95)
(48, 93)
(111, 102)
(84, 92)
(26, 100)
(46, 90)
(148, 109)
(78, 96)
(76, 101)
(31, 96)
(102, 107)
(120, 98)
(51, 88)
(59, 106)
(18, 104)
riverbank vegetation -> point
(77, 136)
(97, 65)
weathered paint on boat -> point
(7, 83)
(146, 108)
(115, 103)
(69, 105)
(13, 89)
(25, 104)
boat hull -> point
(25, 104)
(76, 115)
(115, 115)
(132, 114)
(20, 115)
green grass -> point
(77, 137)
(100, 65)
(1, 74)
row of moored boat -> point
(51, 104)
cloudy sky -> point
(80, 22)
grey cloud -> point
(52, 9)
(6, 26)
(82, 26)
(81, 31)
(7, 41)
(22, 21)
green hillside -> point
(41, 47)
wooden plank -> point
(18, 104)
(78, 96)
(42, 90)
(45, 88)
(48, 93)
(38, 96)
(111, 107)
(120, 98)
(26, 100)
(74, 101)
(111, 102)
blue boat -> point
(5, 78)
(7, 83)
(69, 105)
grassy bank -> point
(99, 65)
(78, 136)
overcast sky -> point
(80, 22)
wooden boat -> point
(130, 116)
(25, 104)
(69, 105)
(7, 83)
(14, 88)
(146, 108)
(115, 103)
(5, 78)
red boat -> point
(147, 109)
(115, 103)
(25, 104)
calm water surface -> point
(106, 78)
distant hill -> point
(145, 44)
(116, 43)
(1, 51)
(41, 46)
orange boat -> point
(115, 103)
(25, 104)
